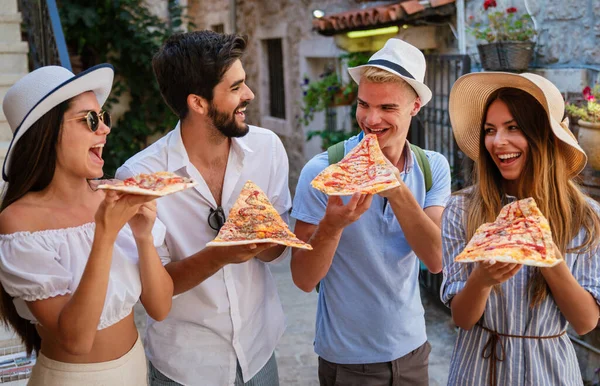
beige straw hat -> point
(470, 93)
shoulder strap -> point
(424, 165)
(335, 153)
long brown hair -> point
(544, 177)
(31, 169)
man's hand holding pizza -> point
(338, 216)
(236, 254)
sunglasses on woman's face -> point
(93, 119)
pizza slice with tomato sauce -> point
(154, 184)
(363, 170)
(253, 220)
(520, 234)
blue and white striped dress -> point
(526, 361)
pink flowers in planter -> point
(587, 94)
(590, 110)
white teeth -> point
(240, 110)
(376, 130)
(507, 156)
(101, 145)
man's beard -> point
(226, 123)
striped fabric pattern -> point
(267, 376)
(527, 361)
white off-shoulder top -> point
(43, 264)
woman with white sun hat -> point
(513, 318)
(74, 261)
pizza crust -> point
(370, 190)
(258, 241)
(148, 192)
(512, 260)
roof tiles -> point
(374, 16)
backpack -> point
(335, 153)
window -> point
(218, 28)
(276, 84)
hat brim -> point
(467, 103)
(98, 79)
(422, 90)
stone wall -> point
(290, 20)
(568, 30)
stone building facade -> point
(567, 51)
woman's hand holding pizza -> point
(492, 273)
(116, 210)
(338, 215)
(142, 222)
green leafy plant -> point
(126, 34)
(503, 26)
(326, 92)
(330, 91)
(589, 110)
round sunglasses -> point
(93, 119)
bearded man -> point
(226, 318)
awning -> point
(401, 12)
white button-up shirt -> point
(236, 313)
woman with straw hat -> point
(69, 264)
(513, 318)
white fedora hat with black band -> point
(403, 60)
(45, 88)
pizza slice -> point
(363, 170)
(520, 234)
(253, 220)
(154, 184)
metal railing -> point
(43, 30)
(431, 130)
(434, 131)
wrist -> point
(329, 228)
(104, 235)
(146, 240)
(478, 282)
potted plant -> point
(509, 38)
(328, 91)
(588, 115)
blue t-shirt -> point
(369, 306)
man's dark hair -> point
(194, 63)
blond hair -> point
(544, 177)
(378, 75)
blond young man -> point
(370, 326)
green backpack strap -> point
(424, 165)
(335, 153)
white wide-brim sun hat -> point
(45, 88)
(470, 93)
(401, 59)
